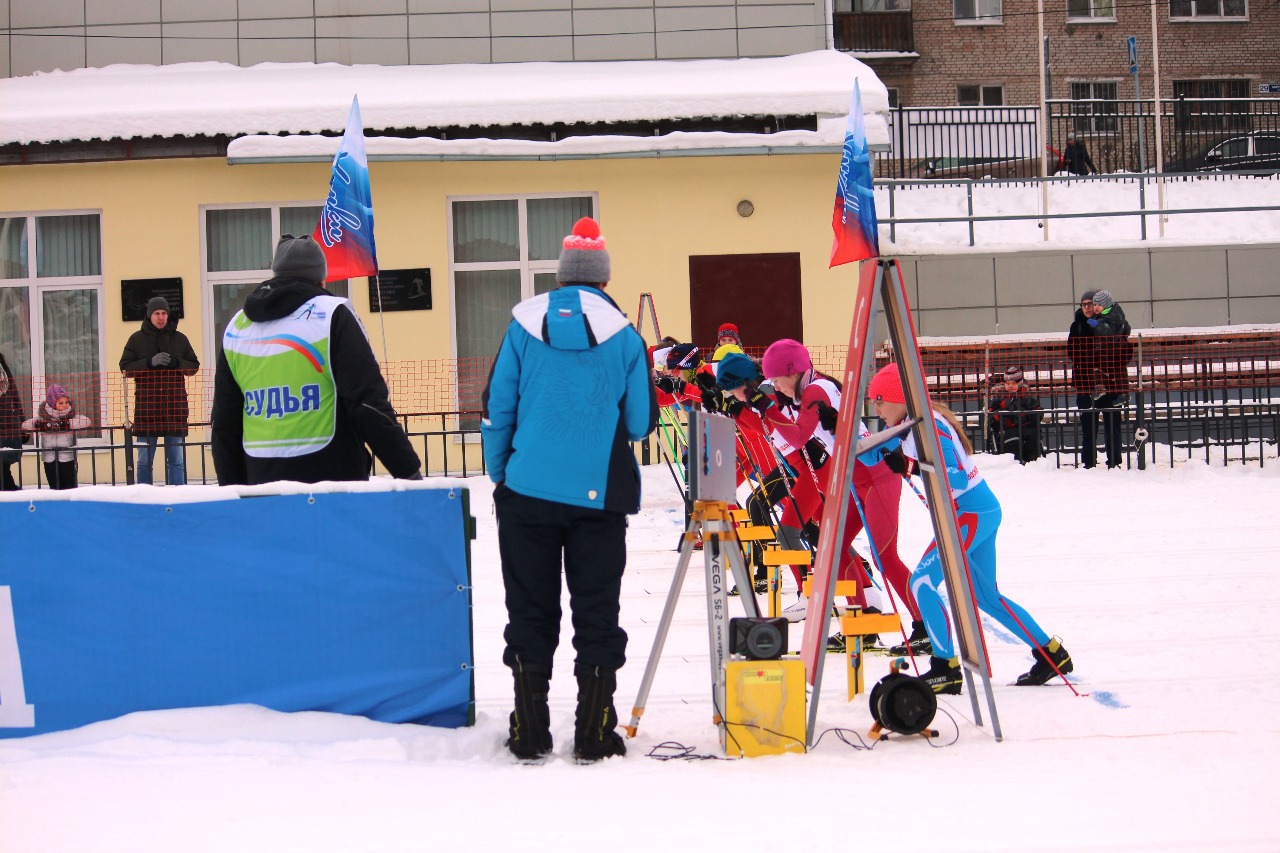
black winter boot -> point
(530, 732)
(594, 734)
(944, 676)
(1042, 671)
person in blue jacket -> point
(978, 514)
(570, 390)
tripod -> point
(720, 541)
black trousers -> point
(535, 539)
(61, 475)
(1108, 405)
(774, 490)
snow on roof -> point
(218, 99)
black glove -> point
(705, 381)
(782, 399)
(670, 384)
(733, 406)
(897, 462)
(759, 401)
(817, 453)
(160, 359)
(712, 401)
(827, 415)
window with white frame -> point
(51, 306)
(1096, 10)
(239, 243)
(980, 96)
(978, 11)
(1208, 9)
(1095, 107)
(1211, 105)
(502, 250)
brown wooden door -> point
(759, 293)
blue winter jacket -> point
(570, 390)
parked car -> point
(975, 168)
(1249, 152)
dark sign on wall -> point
(400, 290)
(135, 293)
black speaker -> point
(757, 638)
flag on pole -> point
(854, 220)
(345, 232)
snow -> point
(1158, 581)
(212, 98)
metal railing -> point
(1119, 135)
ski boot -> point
(836, 643)
(1043, 670)
(944, 676)
(916, 644)
(796, 611)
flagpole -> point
(382, 316)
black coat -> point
(11, 413)
(1077, 159)
(1115, 350)
(159, 393)
(364, 415)
(1011, 411)
(1082, 350)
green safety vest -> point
(283, 368)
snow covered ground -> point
(1162, 584)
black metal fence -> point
(1197, 134)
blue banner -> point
(853, 221)
(355, 603)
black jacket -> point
(1011, 411)
(1082, 350)
(159, 393)
(365, 415)
(11, 414)
(1077, 159)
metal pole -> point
(1043, 125)
(1155, 88)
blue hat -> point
(735, 370)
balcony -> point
(868, 32)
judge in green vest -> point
(298, 394)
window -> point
(503, 250)
(1208, 9)
(1104, 10)
(51, 306)
(1209, 105)
(863, 6)
(239, 244)
(1096, 107)
(980, 96)
(894, 98)
(978, 11)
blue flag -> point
(854, 218)
(345, 232)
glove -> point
(733, 406)
(897, 462)
(670, 385)
(705, 381)
(817, 453)
(711, 399)
(160, 359)
(782, 399)
(827, 415)
(759, 401)
(1092, 321)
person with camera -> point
(159, 358)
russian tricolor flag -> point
(345, 232)
(854, 220)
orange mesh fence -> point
(1211, 395)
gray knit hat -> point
(1088, 295)
(300, 257)
(1013, 374)
(1103, 299)
(157, 303)
(583, 258)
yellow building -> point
(713, 182)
